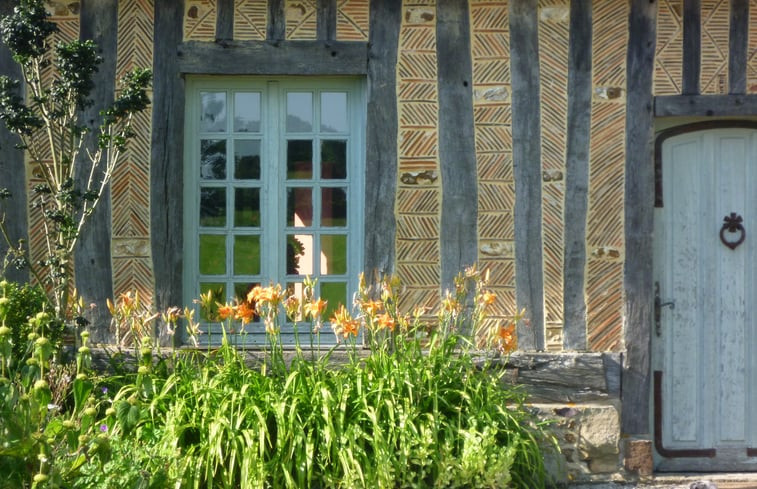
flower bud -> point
(90, 411)
(40, 478)
(84, 350)
(68, 424)
(4, 330)
(40, 385)
(81, 376)
(32, 337)
(42, 341)
(110, 411)
(143, 370)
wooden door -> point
(704, 353)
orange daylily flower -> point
(506, 339)
(386, 321)
(225, 311)
(371, 308)
(488, 298)
(244, 312)
(315, 308)
(343, 323)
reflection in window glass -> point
(213, 112)
(247, 159)
(247, 112)
(213, 159)
(299, 112)
(212, 254)
(334, 254)
(333, 112)
(246, 255)
(299, 207)
(212, 207)
(300, 254)
(335, 293)
(333, 207)
(299, 159)
(334, 159)
(247, 207)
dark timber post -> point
(737, 46)
(526, 128)
(276, 20)
(692, 32)
(225, 20)
(12, 169)
(457, 152)
(381, 136)
(639, 195)
(326, 20)
(577, 174)
(93, 266)
(166, 166)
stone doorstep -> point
(678, 481)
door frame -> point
(656, 391)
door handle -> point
(658, 305)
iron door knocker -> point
(732, 224)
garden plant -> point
(415, 403)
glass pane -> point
(246, 255)
(213, 112)
(335, 293)
(333, 112)
(334, 254)
(299, 207)
(300, 254)
(299, 112)
(212, 206)
(218, 290)
(299, 159)
(212, 254)
(213, 159)
(334, 159)
(246, 207)
(247, 112)
(333, 207)
(247, 159)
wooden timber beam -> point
(577, 175)
(326, 20)
(381, 136)
(526, 129)
(705, 105)
(225, 20)
(167, 157)
(737, 46)
(692, 33)
(639, 216)
(457, 152)
(12, 168)
(92, 257)
(273, 58)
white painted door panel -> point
(705, 348)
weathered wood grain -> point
(224, 20)
(381, 136)
(12, 169)
(281, 58)
(692, 39)
(639, 197)
(326, 20)
(526, 129)
(94, 272)
(577, 175)
(737, 46)
(457, 153)
(276, 20)
(705, 105)
(167, 164)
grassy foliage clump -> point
(422, 407)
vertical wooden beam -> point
(225, 20)
(737, 47)
(167, 158)
(381, 136)
(639, 196)
(94, 269)
(276, 20)
(577, 175)
(326, 18)
(692, 40)
(12, 169)
(526, 128)
(457, 152)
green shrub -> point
(24, 302)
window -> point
(273, 187)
